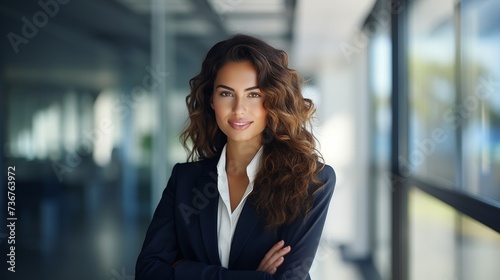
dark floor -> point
(73, 231)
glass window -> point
(445, 244)
(380, 85)
(480, 106)
(431, 231)
(431, 56)
(480, 250)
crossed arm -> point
(159, 256)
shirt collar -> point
(252, 168)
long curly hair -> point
(290, 159)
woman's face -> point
(238, 103)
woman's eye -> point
(254, 95)
(225, 93)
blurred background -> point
(408, 95)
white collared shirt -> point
(227, 221)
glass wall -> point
(381, 178)
(445, 244)
(479, 109)
(432, 245)
(453, 139)
(432, 152)
(454, 95)
(444, 154)
(479, 250)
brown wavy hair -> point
(290, 159)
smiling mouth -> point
(240, 125)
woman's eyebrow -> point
(252, 88)
(231, 89)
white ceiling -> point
(321, 26)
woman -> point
(253, 204)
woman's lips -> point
(240, 125)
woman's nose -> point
(239, 105)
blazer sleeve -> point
(302, 236)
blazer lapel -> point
(207, 187)
(246, 224)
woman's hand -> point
(274, 258)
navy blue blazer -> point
(184, 227)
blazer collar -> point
(207, 185)
(244, 229)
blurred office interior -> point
(408, 104)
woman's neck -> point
(239, 155)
